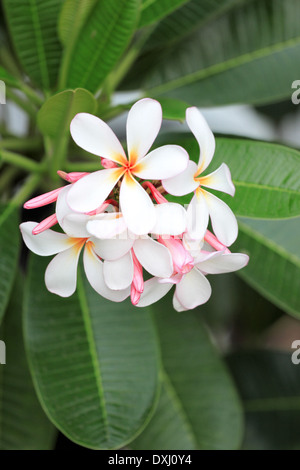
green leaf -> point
(58, 111)
(274, 266)
(186, 19)
(153, 10)
(269, 384)
(266, 176)
(173, 109)
(199, 407)
(247, 55)
(72, 17)
(23, 424)
(94, 362)
(32, 26)
(102, 41)
(9, 252)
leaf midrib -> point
(93, 350)
(270, 244)
(224, 66)
(179, 408)
(39, 43)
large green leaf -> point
(153, 10)
(58, 111)
(266, 176)
(23, 424)
(8, 78)
(199, 407)
(269, 384)
(94, 362)
(9, 252)
(274, 266)
(186, 19)
(33, 29)
(102, 41)
(71, 19)
(249, 54)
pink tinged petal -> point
(108, 163)
(135, 295)
(45, 224)
(153, 291)
(93, 267)
(184, 183)
(106, 225)
(197, 216)
(136, 206)
(171, 219)
(43, 199)
(118, 274)
(213, 242)
(159, 198)
(112, 249)
(224, 263)
(220, 180)
(182, 260)
(222, 218)
(177, 305)
(143, 124)
(138, 279)
(193, 290)
(154, 257)
(163, 162)
(204, 136)
(95, 136)
(46, 243)
(61, 273)
(73, 176)
(171, 280)
(92, 190)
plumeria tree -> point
(121, 338)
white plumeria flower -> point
(192, 287)
(61, 273)
(95, 136)
(204, 204)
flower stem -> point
(83, 166)
(15, 143)
(26, 190)
(7, 176)
(20, 161)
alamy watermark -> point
(296, 354)
(296, 94)
(2, 352)
(2, 92)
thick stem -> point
(83, 166)
(21, 162)
(15, 143)
(26, 190)
(7, 176)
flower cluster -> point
(125, 226)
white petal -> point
(163, 162)
(197, 216)
(73, 224)
(177, 305)
(118, 274)
(193, 290)
(93, 267)
(45, 243)
(193, 246)
(183, 183)
(61, 273)
(222, 218)
(154, 257)
(219, 179)
(143, 124)
(111, 249)
(106, 225)
(136, 206)
(95, 136)
(224, 263)
(204, 136)
(153, 291)
(171, 219)
(90, 192)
